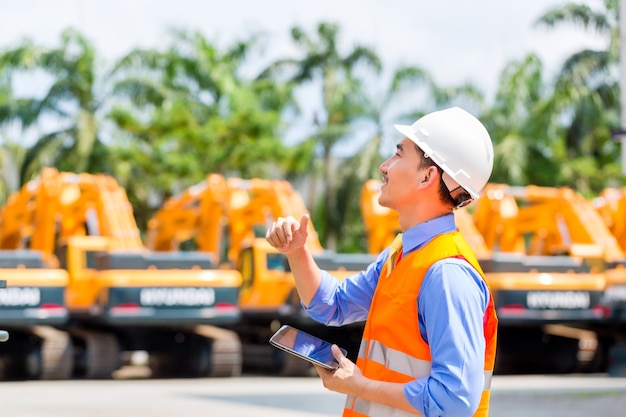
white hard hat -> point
(458, 143)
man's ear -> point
(429, 175)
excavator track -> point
(226, 353)
(101, 354)
(196, 352)
(57, 353)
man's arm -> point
(289, 237)
(306, 273)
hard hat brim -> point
(407, 131)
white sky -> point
(455, 40)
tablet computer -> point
(305, 346)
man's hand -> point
(347, 379)
(287, 234)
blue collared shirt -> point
(451, 304)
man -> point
(429, 340)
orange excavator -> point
(559, 227)
(547, 290)
(119, 296)
(611, 206)
(32, 307)
(228, 218)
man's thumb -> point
(304, 223)
(337, 353)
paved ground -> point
(256, 396)
(558, 396)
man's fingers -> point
(274, 236)
(321, 371)
(280, 234)
(284, 230)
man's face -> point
(401, 176)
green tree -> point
(325, 65)
(587, 97)
(378, 116)
(395, 102)
(71, 111)
(17, 115)
(189, 110)
(525, 135)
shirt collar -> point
(417, 236)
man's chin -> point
(382, 202)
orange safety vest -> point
(392, 348)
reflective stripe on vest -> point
(370, 408)
(401, 362)
(392, 348)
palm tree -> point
(16, 116)
(341, 102)
(379, 114)
(587, 97)
(393, 103)
(74, 106)
(522, 127)
(189, 111)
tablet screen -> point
(306, 346)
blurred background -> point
(145, 146)
(91, 78)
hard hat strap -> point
(460, 196)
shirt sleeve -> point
(337, 302)
(452, 303)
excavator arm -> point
(543, 221)
(224, 215)
(198, 215)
